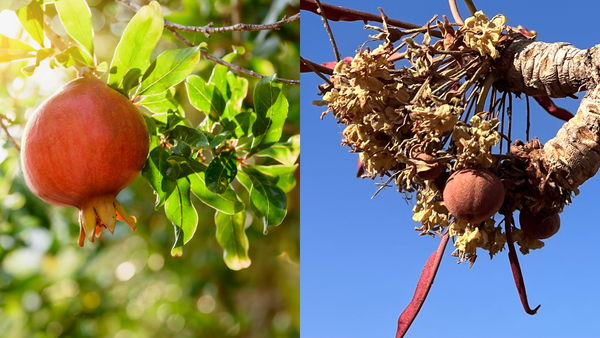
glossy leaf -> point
(227, 202)
(181, 148)
(160, 103)
(286, 153)
(181, 212)
(132, 55)
(74, 55)
(206, 97)
(14, 46)
(267, 201)
(170, 120)
(76, 17)
(224, 133)
(170, 68)
(191, 136)
(155, 172)
(283, 174)
(271, 110)
(32, 19)
(221, 171)
(239, 89)
(232, 238)
(218, 77)
(42, 54)
(243, 123)
(13, 5)
(244, 180)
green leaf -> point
(132, 56)
(13, 5)
(170, 68)
(13, 46)
(206, 97)
(102, 67)
(181, 148)
(227, 202)
(244, 123)
(239, 89)
(182, 214)
(76, 17)
(284, 175)
(267, 201)
(170, 120)
(271, 110)
(41, 55)
(286, 153)
(32, 19)
(232, 238)
(224, 133)
(191, 136)
(74, 55)
(219, 75)
(155, 172)
(244, 180)
(160, 103)
(221, 171)
(6, 57)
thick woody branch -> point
(208, 29)
(207, 55)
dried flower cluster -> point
(395, 118)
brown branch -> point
(207, 55)
(305, 67)
(337, 13)
(10, 138)
(313, 67)
(208, 29)
(336, 52)
(423, 286)
(231, 66)
(471, 6)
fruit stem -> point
(515, 266)
(423, 286)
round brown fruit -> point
(473, 195)
(436, 168)
(539, 226)
(81, 147)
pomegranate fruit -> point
(539, 226)
(473, 195)
(435, 168)
(80, 148)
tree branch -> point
(207, 55)
(329, 32)
(208, 29)
(10, 138)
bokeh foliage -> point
(128, 285)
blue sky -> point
(361, 258)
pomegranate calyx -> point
(99, 213)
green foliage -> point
(128, 284)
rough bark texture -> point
(560, 70)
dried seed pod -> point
(431, 170)
(539, 226)
(473, 195)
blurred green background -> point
(127, 284)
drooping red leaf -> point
(516, 267)
(427, 276)
(552, 108)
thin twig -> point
(211, 57)
(316, 69)
(10, 138)
(471, 6)
(173, 29)
(455, 12)
(208, 29)
(329, 32)
(337, 13)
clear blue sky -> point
(361, 258)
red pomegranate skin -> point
(473, 195)
(539, 226)
(81, 147)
